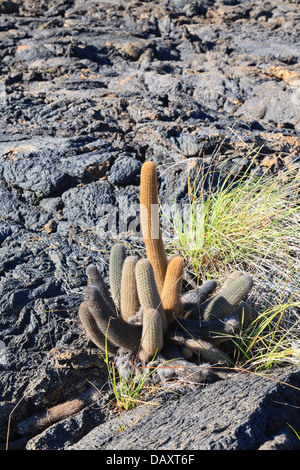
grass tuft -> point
(249, 223)
(245, 221)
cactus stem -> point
(147, 290)
(150, 224)
(152, 336)
(119, 332)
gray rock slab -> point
(44, 165)
(236, 414)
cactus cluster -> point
(146, 308)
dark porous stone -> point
(125, 170)
(90, 206)
(46, 166)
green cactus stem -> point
(130, 303)
(117, 258)
(230, 278)
(152, 335)
(95, 278)
(227, 299)
(147, 290)
(196, 296)
(92, 331)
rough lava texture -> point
(89, 90)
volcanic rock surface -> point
(88, 91)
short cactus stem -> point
(119, 332)
(95, 278)
(192, 299)
(208, 352)
(203, 349)
(152, 338)
(117, 258)
(171, 292)
(92, 331)
(227, 298)
(230, 278)
(147, 290)
(129, 296)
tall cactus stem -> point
(150, 223)
(229, 325)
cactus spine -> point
(152, 336)
(171, 292)
(117, 258)
(129, 296)
(147, 290)
(150, 225)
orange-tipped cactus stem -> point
(171, 292)
(150, 223)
